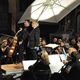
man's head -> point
(26, 23)
(35, 24)
(55, 39)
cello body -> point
(14, 43)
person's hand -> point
(64, 61)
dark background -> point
(71, 21)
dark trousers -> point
(31, 54)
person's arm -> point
(37, 36)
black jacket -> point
(34, 38)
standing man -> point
(34, 36)
(22, 42)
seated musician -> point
(4, 49)
(69, 52)
(42, 62)
(40, 68)
(72, 65)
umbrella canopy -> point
(49, 10)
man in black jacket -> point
(34, 36)
(23, 36)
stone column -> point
(12, 10)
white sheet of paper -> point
(55, 63)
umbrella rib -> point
(60, 5)
(37, 4)
(59, 2)
(53, 13)
(41, 12)
(37, 8)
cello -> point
(14, 43)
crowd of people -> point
(24, 44)
(28, 45)
(71, 49)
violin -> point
(14, 43)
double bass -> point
(14, 43)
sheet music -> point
(52, 45)
(55, 62)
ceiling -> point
(49, 10)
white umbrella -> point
(49, 10)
